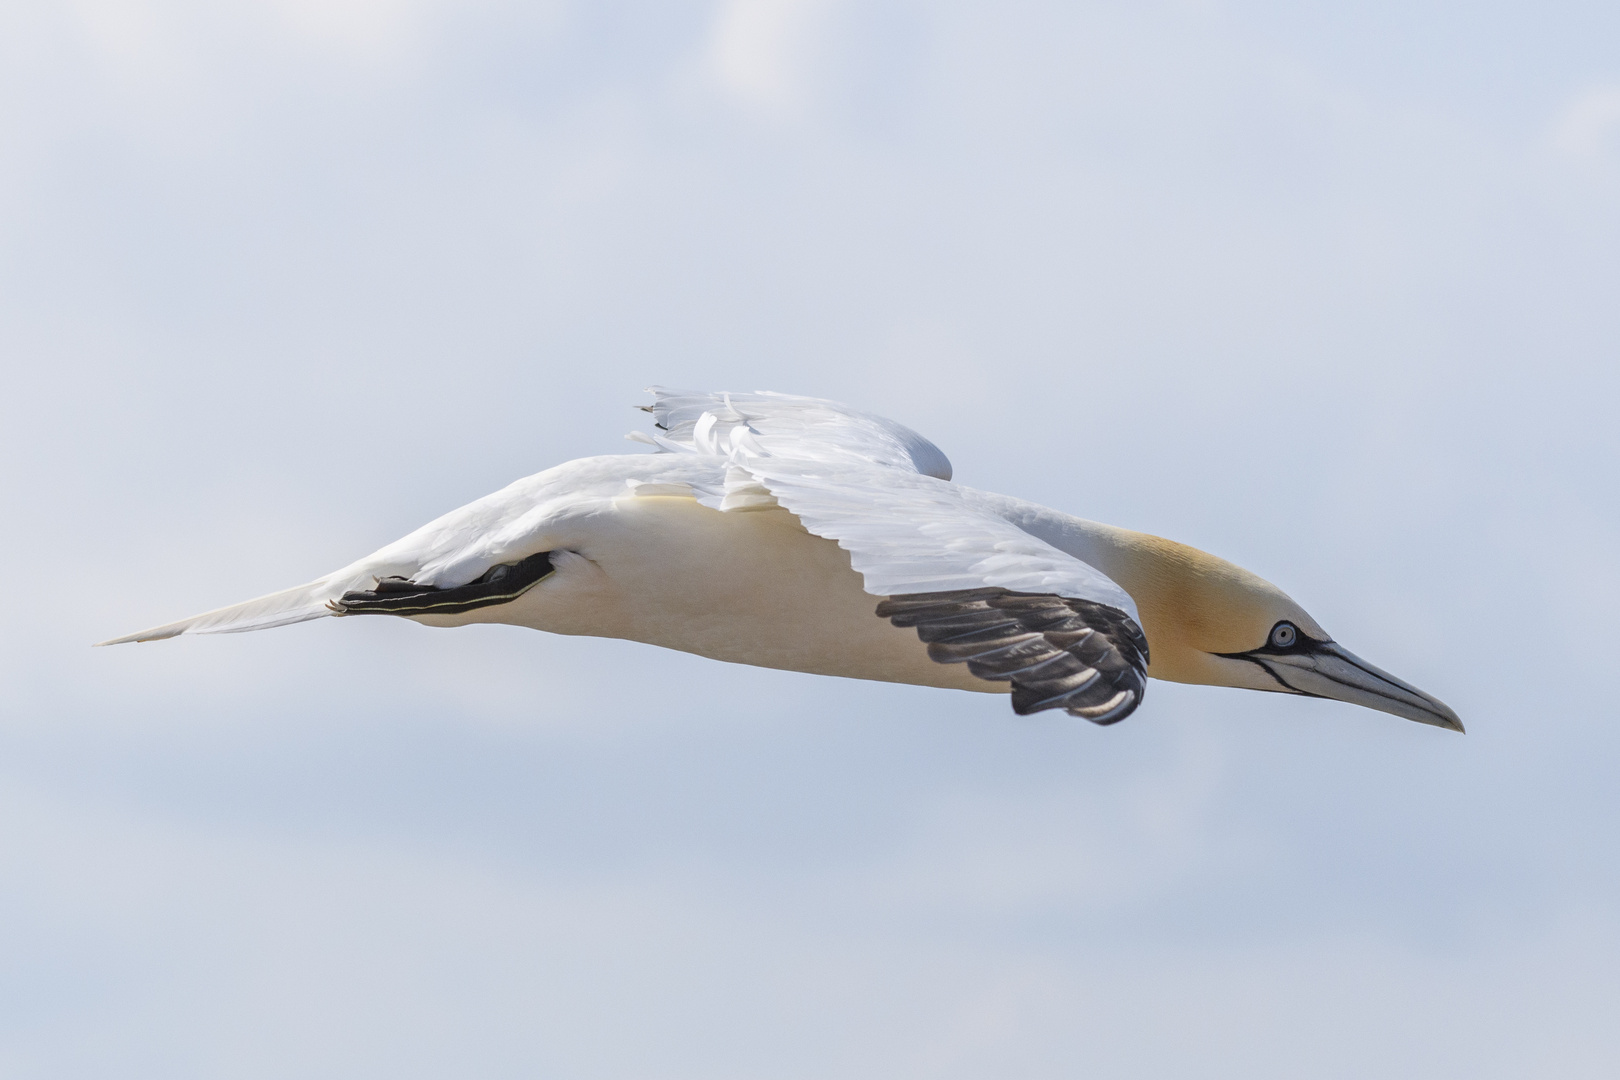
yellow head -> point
(1208, 621)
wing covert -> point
(908, 533)
(977, 588)
(767, 424)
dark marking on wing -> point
(401, 596)
(1059, 653)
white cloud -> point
(150, 37)
(264, 311)
(1588, 126)
(761, 51)
(133, 37)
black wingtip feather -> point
(1086, 658)
(402, 596)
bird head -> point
(1208, 621)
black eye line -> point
(1303, 642)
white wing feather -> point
(298, 604)
(457, 547)
(908, 533)
(771, 425)
(879, 489)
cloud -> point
(150, 37)
(1588, 126)
(761, 51)
(364, 27)
(282, 281)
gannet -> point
(790, 532)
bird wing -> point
(470, 538)
(475, 555)
(878, 488)
(977, 588)
(762, 425)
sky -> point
(1327, 290)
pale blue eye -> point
(1283, 635)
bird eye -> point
(1283, 635)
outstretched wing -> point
(455, 549)
(1057, 652)
(484, 553)
(764, 424)
(978, 589)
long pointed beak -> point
(1331, 671)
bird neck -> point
(1191, 604)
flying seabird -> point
(790, 532)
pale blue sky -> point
(1330, 291)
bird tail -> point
(298, 604)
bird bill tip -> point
(1363, 684)
(1448, 719)
(1331, 671)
